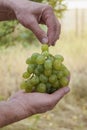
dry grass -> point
(71, 112)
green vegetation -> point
(12, 32)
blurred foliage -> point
(8, 29)
(58, 6)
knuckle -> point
(49, 8)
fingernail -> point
(67, 89)
(45, 40)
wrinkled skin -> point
(31, 14)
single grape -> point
(53, 79)
(28, 61)
(48, 72)
(26, 75)
(48, 64)
(66, 72)
(30, 86)
(37, 72)
(55, 72)
(43, 78)
(40, 68)
(51, 57)
(64, 81)
(59, 57)
(28, 89)
(23, 85)
(40, 59)
(57, 64)
(48, 87)
(45, 54)
(41, 88)
(44, 47)
(63, 67)
(60, 74)
(56, 85)
(31, 68)
(33, 57)
(34, 80)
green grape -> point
(23, 85)
(34, 80)
(33, 57)
(48, 64)
(26, 75)
(56, 85)
(36, 72)
(45, 47)
(53, 90)
(59, 57)
(31, 68)
(28, 61)
(28, 89)
(52, 78)
(66, 72)
(51, 57)
(48, 87)
(41, 88)
(63, 67)
(55, 72)
(60, 74)
(48, 72)
(43, 78)
(40, 68)
(45, 53)
(40, 59)
(45, 72)
(64, 81)
(57, 64)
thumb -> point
(56, 96)
(39, 33)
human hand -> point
(31, 14)
(27, 104)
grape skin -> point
(40, 59)
(41, 88)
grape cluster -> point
(45, 73)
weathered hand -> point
(31, 14)
(32, 103)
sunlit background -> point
(71, 112)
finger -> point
(52, 24)
(56, 96)
(57, 32)
(40, 34)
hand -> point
(31, 14)
(27, 104)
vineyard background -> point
(71, 112)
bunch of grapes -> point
(45, 73)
